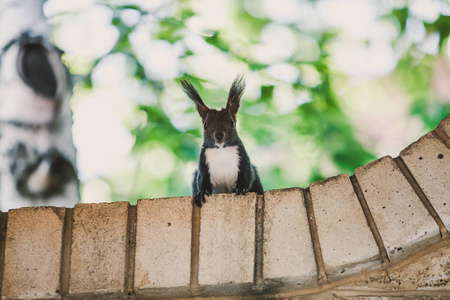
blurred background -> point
(332, 85)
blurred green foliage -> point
(318, 138)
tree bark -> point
(37, 156)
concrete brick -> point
(288, 250)
(33, 253)
(163, 243)
(445, 125)
(428, 159)
(99, 248)
(344, 235)
(402, 220)
(227, 236)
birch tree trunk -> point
(37, 156)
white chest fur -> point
(223, 166)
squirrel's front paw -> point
(240, 191)
(199, 199)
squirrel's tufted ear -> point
(193, 94)
(235, 94)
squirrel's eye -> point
(204, 125)
(232, 123)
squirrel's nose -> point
(219, 136)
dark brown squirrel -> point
(224, 165)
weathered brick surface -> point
(227, 236)
(428, 159)
(99, 248)
(33, 253)
(344, 235)
(288, 250)
(445, 125)
(163, 243)
(402, 220)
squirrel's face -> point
(219, 129)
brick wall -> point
(380, 232)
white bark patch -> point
(223, 166)
(25, 15)
(19, 103)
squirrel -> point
(224, 165)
